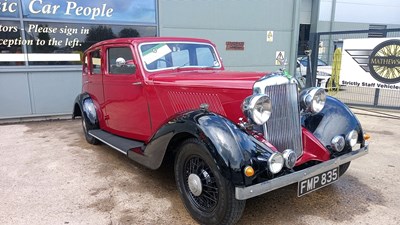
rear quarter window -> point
(95, 58)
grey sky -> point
(362, 11)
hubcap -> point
(195, 185)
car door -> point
(125, 99)
(92, 79)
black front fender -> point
(231, 148)
(335, 119)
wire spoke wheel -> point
(205, 195)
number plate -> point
(318, 181)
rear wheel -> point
(86, 127)
(207, 195)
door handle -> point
(137, 83)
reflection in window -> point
(11, 44)
(120, 61)
(64, 43)
(180, 58)
(205, 56)
(157, 56)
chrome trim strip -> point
(112, 146)
(242, 193)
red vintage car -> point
(234, 135)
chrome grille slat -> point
(283, 129)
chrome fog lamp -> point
(257, 108)
(338, 143)
(312, 100)
(275, 162)
(352, 137)
(290, 158)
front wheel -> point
(343, 168)
(207, 195)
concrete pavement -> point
(50, 175)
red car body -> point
(156, 104)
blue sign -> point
(9, 8)
(122, 11)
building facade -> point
(41, 41)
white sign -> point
(280, 58)
(372, 63)
(270, 36)
(155, 53)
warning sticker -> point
(270, 36)
(279, 58)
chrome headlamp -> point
(352, 137)
(290, 158)
(312, 100)
(276, 162)
(337, 143)
(257, 108)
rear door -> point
(126, 105)
(92, 79)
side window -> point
(120, 61)
(95, 58)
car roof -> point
(139, 40)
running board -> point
(120, 144)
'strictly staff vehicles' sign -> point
(234, 135)
(371, 63)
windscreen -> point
(172, 55)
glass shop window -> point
(9, 8)
(64, 43)
(11, 51)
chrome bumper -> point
(242, 193)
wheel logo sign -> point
(384, 62)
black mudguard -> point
(232, 148)
(335, 119)
(83, 103)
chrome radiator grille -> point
(283, 129)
